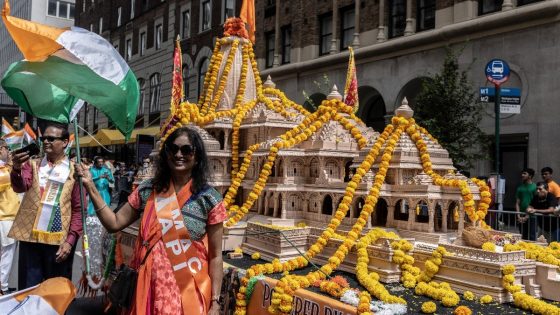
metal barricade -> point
(530, 226)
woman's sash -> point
(191, 272)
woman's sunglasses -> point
(186, 149)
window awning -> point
(109, 137)
(85, 141)
(113, 136)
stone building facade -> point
(399, 42)
(396, 43)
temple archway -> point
(438, 218)
(422, 213)
(358, 206)
(452, 219)
(327, 205)
(379, 217)
(401, 210)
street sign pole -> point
(497, 130)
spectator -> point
(523, 197)
(544, 203)
(553, 187)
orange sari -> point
(157, 291)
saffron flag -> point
(247, 14)
(6, 128)
(351, 87)
(29, 135)
(14, 140)
(64, 66)
(51, 297)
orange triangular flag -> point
(248, 16)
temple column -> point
(334, 39)
(227, 146)
(275, 205)
(431, 212)
(411, 216)
(461, 220)
(507, 5)
(265, 208)
(390, 214)
(276, 60)
(283, 207)
(381, 29)
(356, 41)
(444, 214)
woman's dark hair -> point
(200, 170)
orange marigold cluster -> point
(235, 27)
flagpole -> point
(85, 241)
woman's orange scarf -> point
(191, 273)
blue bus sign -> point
(497, 71)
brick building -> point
(303, 46)
(144, 32)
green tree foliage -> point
(448, 108)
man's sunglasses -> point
(186, 149)
(51, 138)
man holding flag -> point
(49, 222)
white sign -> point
(510, 109)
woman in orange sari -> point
(178, 253)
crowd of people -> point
(540, 198)
(40, 208)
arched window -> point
(332, 169)
(202, 69)
(314, 168)
(155, 92)
(142, 101)
(186, 81)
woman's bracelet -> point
(97, 210)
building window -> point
(269, 49)
(426, 15)
(229, 9)
(159, 35)
(60, 9)
(286, 44)
(397, 18)
(132, 7)
(155, 91)
(142, 43)
(489, 6)
(100, 25)
(325, 28)
(142, 101)
(206, 15)
(186, 20)
(347, 26)
(202, 69)
(119, 16)
(128, 49)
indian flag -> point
(29, 135)
(6, 128)
(14, 140)
(63, 67)
(51, 297)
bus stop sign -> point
(497, 71)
